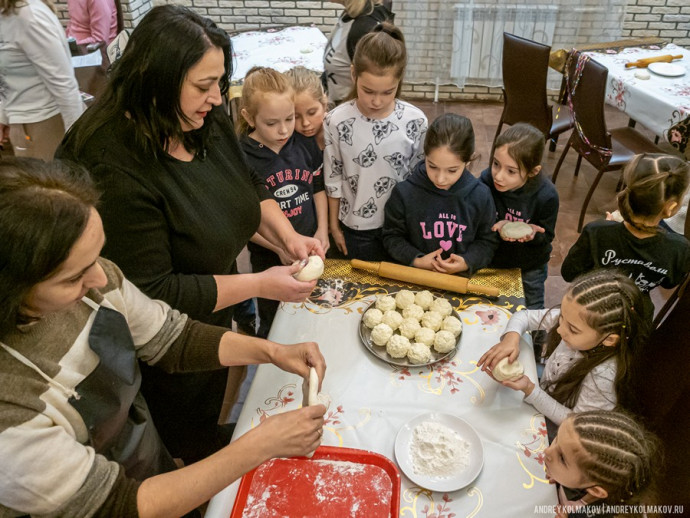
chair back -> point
(586, 91)
(525, 65)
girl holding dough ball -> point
(526, 208)
(590, 346)
(602, 459)
(440, 218)
(290, 165)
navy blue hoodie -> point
(421, 218)
(292, 177)
(536, 202)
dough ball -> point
(409, 327)
(413, 311)
(398, 346)
(642, 74)
(372, 318)
(453, 325)
(444, 341)
(432, 320)
(404, 299)
(424, 299)
(385, 303)
(425, 336)
(381, 334)
(616, 215)
(312, 270)
(516, 230)
(392, 318)
(419, 353)
(507, 371)
(442, 306)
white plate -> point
(441, 484)
(666, 69)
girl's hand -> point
(278, 283)
(322, 236)
(285, 259)
(297, 358)
(426, 262)
(561, 512)
(454, 264)
(339, 239)
(508, 346)
(301, 247)
(499, 225)
(292, 434)
(535, 229)
(523, 383)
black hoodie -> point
(421, 218)
(292, 176)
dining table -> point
(656, 97)
(372, 400)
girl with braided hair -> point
(638, 245)
(601, 460)
(593, 337)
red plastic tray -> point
(300, 487)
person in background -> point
(359, 17)
(373, 141)
(440, 218)
(311, 104)
(76, 437)
(521, 193)
(39, 95)
(92, 21)
(179, 203)
(288, 162)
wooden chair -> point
(606, 151)
(525, 66)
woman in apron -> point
(76, 437)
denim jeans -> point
(533, 286)
(366, 245)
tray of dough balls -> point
(410, 328)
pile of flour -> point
(438, 451)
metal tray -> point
(380, 351)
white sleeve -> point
(531, 320)
(332, 161)
(547, 405)
(45, 45)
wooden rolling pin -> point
(642, 63)
(442, 281)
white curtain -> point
(460, 42)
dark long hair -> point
(613, 305)
(454, 132)
(146, 82)
(44, 209)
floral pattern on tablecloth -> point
(532, 447)
(422, 504)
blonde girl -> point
(373, 141)
(522, 193)
(638, 246)
(288, 162)
(603, 460)
(593, 338)
(311, 103)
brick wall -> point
(663, 18)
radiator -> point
(478, 37)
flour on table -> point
(438, 451)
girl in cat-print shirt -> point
(372, 142)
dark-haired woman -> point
(179, 202)
(77, 438)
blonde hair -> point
(379, 51)
(305, 80)
(355, 8)
(257, 82)
(8, 7)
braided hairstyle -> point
(618, 455)
(257, 82)
(652, 180)
(613, 305)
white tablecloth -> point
(279, 49)
(660, 103)
(371, 400)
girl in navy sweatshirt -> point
(440, 218)
(521, 193)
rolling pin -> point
(642, 63)
(442, 281)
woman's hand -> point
(508, 346)
(454, 264)
(322, 236)
(339, 239)
(278, 283)
(292, 434)
(426, 262)
(300, 247)
(298, 358)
